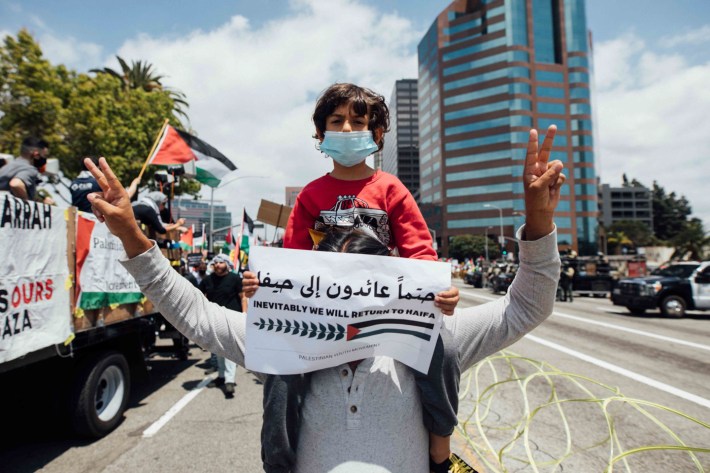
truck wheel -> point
(637, 310)
(673, 306)
(100, 394)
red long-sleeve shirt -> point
(379, 205)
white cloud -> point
(81, 56)
(252, 90)
(652, 120)
(693, 37)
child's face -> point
(344, 119)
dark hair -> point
(32, 143)
(345, 240)
(364, 102)
(94, 159)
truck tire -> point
(100, 395)
(636, 310)
(673, 306)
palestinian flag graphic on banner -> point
(179, 147)
(101, 281)
(334, 331)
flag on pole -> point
(187, 239)
(199, 241)
(179, 147)
(228, 240)
(248, 221)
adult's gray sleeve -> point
(485, 329)
(213, 327)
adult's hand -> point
(113, 206)
(542, 181)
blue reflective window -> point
(510, 56)
(477, 94)
(551, 108)
(563, 222)
(580, 109)
(479, 222)
(561, 155)
(582, 125)
(479, 174)
(575, 25)
(516, 22)
(544, 123)
(543, 31)
(579, 93)
(476, 48)
(516, 137)
(521, 120)
(583, 157)
(478, 190)
(576, 77)
(585, 205)
(551, 92)
(550, 76)
(486, 76)
(478, 206)
(563, 206)
(515, 104)
(469, 25)
(454, 130)
(587, 229)
(560, 141)
(577, 61)
(479, 157)
(564, 239)
(585, 189)
(584, 173)
(582, 140)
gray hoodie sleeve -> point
(485, 329)
(211, 326)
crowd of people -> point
(393, 418)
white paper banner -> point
(34, 297)
(315, 310)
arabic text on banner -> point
(34, 297)
(315, 310)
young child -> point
(350, 125)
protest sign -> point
(34, 294)
(315, 310)
(101, 281)
(194, 259)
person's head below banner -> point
(222, 264)
(347, 240)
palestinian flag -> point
(179, 147)
(375, 327)
(101, 281)
(187, 239)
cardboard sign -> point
(273, 213)
(315, 310)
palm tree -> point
(141, 75)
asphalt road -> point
(647, 358)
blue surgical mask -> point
(348, 148)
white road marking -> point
(624, 372)
(616, 327)
(177, 407)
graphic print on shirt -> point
(352, 211)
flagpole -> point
(155, 145)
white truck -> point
(74, 330)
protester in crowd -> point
(224, 287)
(200, 271)
(85, 184)
(389, 434)
(350, 123)
(147, 209)
(566, 276)
(20, 177)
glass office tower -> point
(400, 154)
(489, 70)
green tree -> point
(472, 246)
(670, 213)
(33, 94)
(691, 241)
(637, 232)
(141, 75)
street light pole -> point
(501, 239)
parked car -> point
(672, 288)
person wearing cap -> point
(224, 287)
(147, 209)
(20, 177)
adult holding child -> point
(389, 435)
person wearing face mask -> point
(350, 125)
(21, 175)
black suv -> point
(673, 288)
